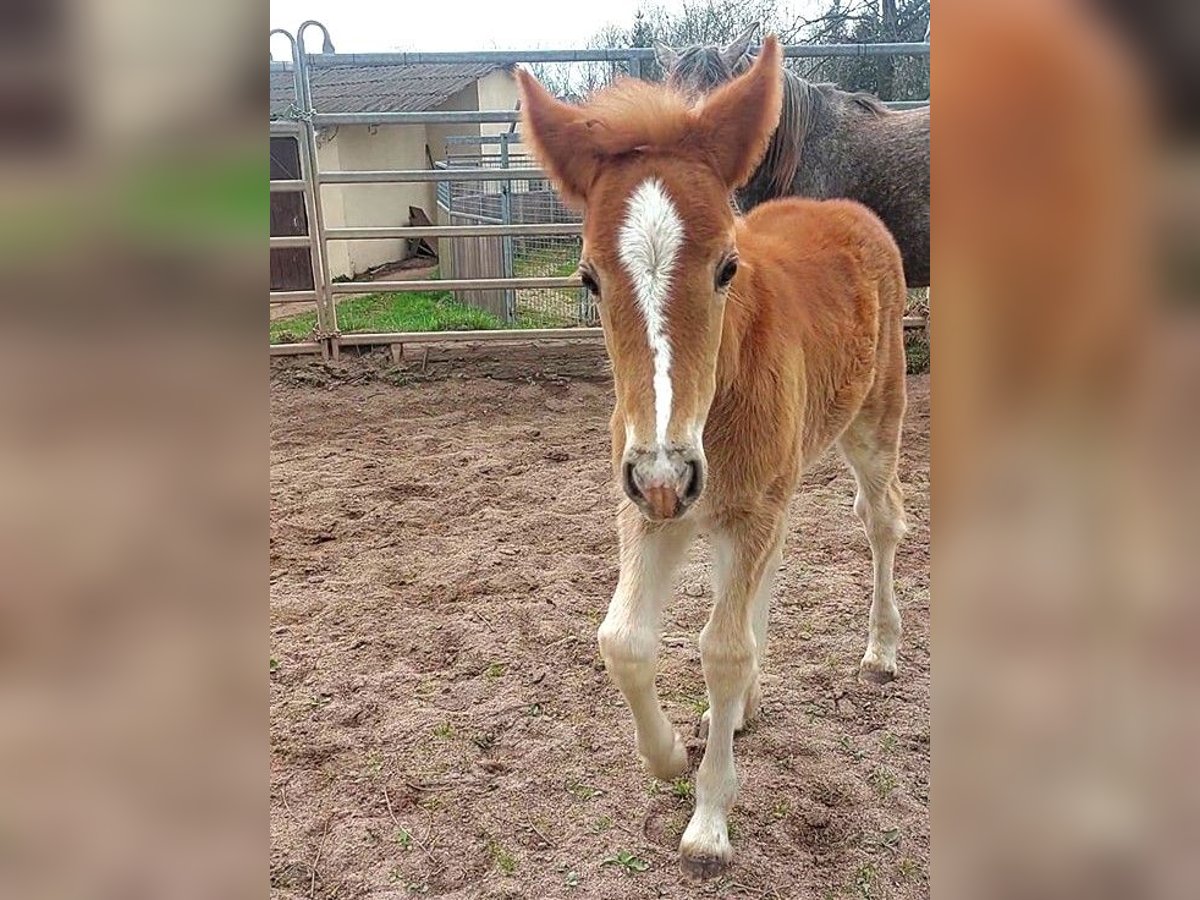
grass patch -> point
(581, 791)
(697, 703)
(682, 788)
(866, 882)
(849, 749)
(504, 860)
(547, 262)
(627, 861)
(916, 350)
(392, 311)
(884, 782)
(907, 869)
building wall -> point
(396, 147)
(466, 99)
(378, 147)
(496, 91)
(334, 208)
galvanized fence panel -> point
(537, 237)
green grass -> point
(884, 782)
(627, 861)
(683, 789)
(439, 311)
(428, 311)
(916, 349)
(547, 262)
(505, 861)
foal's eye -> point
(726, 272)
(589, 282)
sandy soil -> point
(442, 550)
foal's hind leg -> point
(871, 445)
(723, 550)
(729, 656)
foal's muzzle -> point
(663, 483)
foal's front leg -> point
(729, 653)
(629, 635)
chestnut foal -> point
(741, 350)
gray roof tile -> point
(401, 88)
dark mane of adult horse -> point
(830, 143)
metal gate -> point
(302, 121)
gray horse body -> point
(832, 143)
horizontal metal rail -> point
(466, 117)
(449, 231)
(507, 334)
(471, 117)
(287, 186)
(452, 284)
(472, 217)
(622, 54)
(280, 242)
(293, 296)
(502, 334)
(364, 176)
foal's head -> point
(653, 176)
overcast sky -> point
(364, 26)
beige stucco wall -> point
(467, 98)
(377, 147)
(395, 147)
(333, 208)
(496, 91)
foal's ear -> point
(558, 134)
(739, 118)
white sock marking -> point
(650, 240)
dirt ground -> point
(442, 551)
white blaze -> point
(650, 240)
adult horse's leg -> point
(746, 552)
(629, 635)
(723, 550)
(871, 445)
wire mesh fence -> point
(517, 202)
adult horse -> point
(741, 350)
(829, 143)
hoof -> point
(703, 866)
(877, 669)
(673, 766)
(705, 851)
